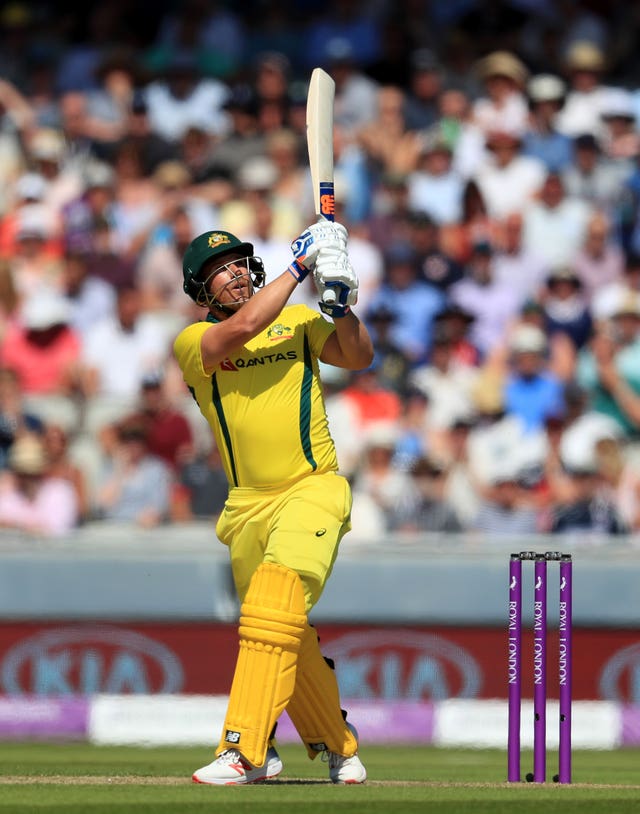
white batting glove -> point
(334, 273)
(329, 234)
(321, 235)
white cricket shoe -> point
(231, 769)
(346, 770)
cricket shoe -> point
(231, 769)
(346, 770)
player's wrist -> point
(335, 310)
(298, 271)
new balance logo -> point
(231, 736)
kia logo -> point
(87, 660)
(403, 664)
(620, 677)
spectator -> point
(566, 310)
(55, 442)
(42, 349)
(608, 368)
(599, 262)
(152, 147)
(356, 92)
(168, 433)
(593, 178)
(243, 139)
(94, 205)
(17, 120)
(461, 490)
(414, 302)
(414, 435)
(426, 508)
(34, 260)
(15, 418)
(508, 508)
(516, 265)
(503, 106)
(532, 392)
(490, 302)
(119, 351)
(202, 488)
(473, 226)
(555, 225)
(436, 266)
(372, 403)
(508, 180)
(447, 384)
(389, 143)
(135, 486)
(89, 299)
(435, 188)
(584, 66)
(393, 365)
(426, 84)
(542, 140)
(620, 139)
(591, 509)
(31, 500)
(456, 323)
(376, 477)
(181, 97)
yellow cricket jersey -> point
(264, 402)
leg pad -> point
(314, 707)
(272, 624)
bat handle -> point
(327, 200)
(327, 211)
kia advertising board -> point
(405, 663)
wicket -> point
(539, 665)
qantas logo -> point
(255, 361)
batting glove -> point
(334, 273)
(322, 235)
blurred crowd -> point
(487, 171)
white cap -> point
(44, 310)
(257, 173)
(617, 102)
(33, 220)
(615, 301)
(578, 441)
(31, 186)
(546, 88)
(47, 144)
(528, 339)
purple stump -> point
(564, 666)
(540, 670)
(514, 667)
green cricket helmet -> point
(215, 245)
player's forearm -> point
(253, 317)
(354, 343)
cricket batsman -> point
(252, 366)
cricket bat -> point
(320, 146)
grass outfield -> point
(74, 778)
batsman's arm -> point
(349, 346)
(259, 312)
